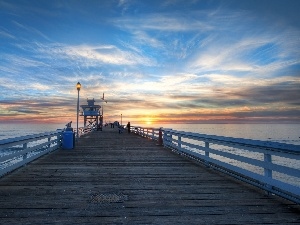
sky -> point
(158, 61)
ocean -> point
(284, 133)
(11, 130)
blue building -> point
(92, 115)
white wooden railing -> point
(83, 130)
(16, 152)
(272, 166)
(148, 132)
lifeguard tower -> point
(91, 114)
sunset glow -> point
(156, 61)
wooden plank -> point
(112, 178)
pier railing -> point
(83, 130)
(272, 166)
(148, 132)
(16, 152)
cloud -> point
(36, 107)
(221, 56)
(170, 22)
(124, 4)
(104, 54)
(92, 55)
(21, 61)
(146, 39)
(247, 55)
(286, 92)
(7, 34)
(32, 30)
(39, 87)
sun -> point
(148, 121)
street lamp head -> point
(78, 86)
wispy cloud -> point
(145, 39)
(6, 34)
(19, 61)
(257, 55)
(124, 4)
(92, 55)
(162, 22)
(34, 31)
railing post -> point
(207, 154)
(179, 142)
(24, 147)
(267, 171)
(58, 138)
(160, 138)
(165, 138)
(49, 139)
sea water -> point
(11, 130)
(284, 133)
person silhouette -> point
(128, 127)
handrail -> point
(263, 164)
(148, 132)
(84, 130)
(16, 152)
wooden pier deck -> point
(112, 178)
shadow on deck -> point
(112, 178)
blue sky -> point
(232, 61)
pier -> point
(112, 178)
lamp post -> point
(78, 86)
(102, 116)
(103, 100)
